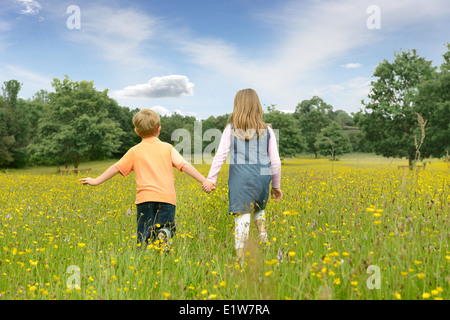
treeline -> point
(407, 115)
(77, 123)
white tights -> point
(242, 226)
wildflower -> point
(291, 253)
(166, 294)
(398, 295)
(354, 283)
(33, 263)
(420, 275)
(337, 281)
(223, 284)
(81, 244)
(425, 295)
(271, 262)
(204, 292)
(268, 273)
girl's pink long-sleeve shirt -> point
(224, 149)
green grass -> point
(324, 235)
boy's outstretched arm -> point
(189, 169)
(108, 174)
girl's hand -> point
(208, 186)
(276, 194)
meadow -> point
(357, 228)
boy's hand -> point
(208, 186)
(276, 194)
(89, 181)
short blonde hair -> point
(146, 122)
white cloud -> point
(117, 34)
(158, 87)
(31, 7)
(32, 81)
(346, 95)
(162, 111)
(307, 39)
(353, 65)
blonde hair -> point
(146, 122)
(247, 115)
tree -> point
(313, 115)
(290, 138)
(433, 104)
(14, 126)
(332, 141)
(389, 120)
(76, 125)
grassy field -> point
(357, 228)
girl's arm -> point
(108, 174)
(221, 155)
(275, 162)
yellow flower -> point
(370, 209)
(81, 244)
(32, 288)
(291, 253)
(434, 292)
(33, 263)
(425, 295)
(420, 275)
(334, 254)
(268, 273)
(398, 295)
(204, 292)
(166, 294)
(223, 284)
(354, 283)
(270, 262)
(337, 281)
(417, 262)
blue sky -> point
(192, 56)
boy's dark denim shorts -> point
(151, 217)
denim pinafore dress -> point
(250, 176)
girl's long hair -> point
(247, 115)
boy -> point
(152, 161)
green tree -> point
(433, 104)
(76, 126)
(313, 115)
(332, 141)
(290, 138)
(389, 120)
(14, 125)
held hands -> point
(208, 186)
(276, 194)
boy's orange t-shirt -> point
(152, 161)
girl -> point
(254, 163)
